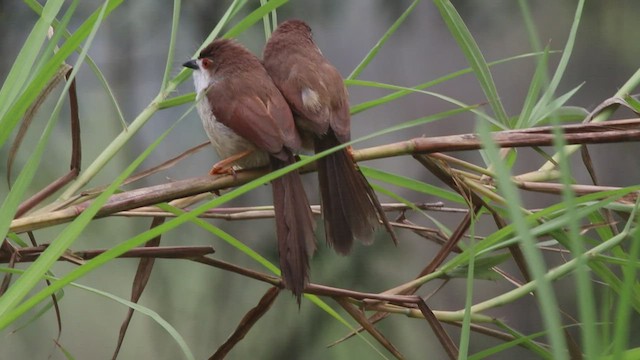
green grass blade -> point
(379, 85)
(633, 103)
(401, 93)
(553, 274)
(8, 309)
(547, 220)
(488, 353)
(177, 100)
(175, 21)
(465, 334)
(147, 312)
(17, 110)
(15, 196)
(135, 306)
(42, 311)
(60, 28)
(529, 24)
(627, 88)
(22, 66)
(566, 114)
(474, 56)
(268, 25)
(623, 310)
(544, 292)
(535, 87)
(554, 105)
(260, 260)
(412, 184)
(229, 239)
(35, 272)
(254, 17)
(584, 288)
(562, 65)
(376, 48)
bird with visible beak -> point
(250, 125)
(319, 101)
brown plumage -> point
(244, 113)
(319, 100)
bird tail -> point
(294, 227)
(350, 207)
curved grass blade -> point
(474, 56)
(22, 66)
(539, 77)
(376, 48)
(411, 184)
(544, 292)
(9, 120)
(141, 309)
(254, 17)
(175, 21)
(398, 94)
(448, 99)
(562, 65)
(35, 272)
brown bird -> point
(320, 103)
(250, 125)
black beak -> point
(191, 64)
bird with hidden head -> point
(319, 101)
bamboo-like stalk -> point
(612, 131)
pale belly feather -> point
(226, 142)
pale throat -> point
(202, 80)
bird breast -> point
(224, 140)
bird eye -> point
(206, 63)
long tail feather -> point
(294, 227)
(350, 207)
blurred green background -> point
(205, 304)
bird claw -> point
(222, 169)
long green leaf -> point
(448, 99)
(22, 66)
(17, 110)
(376, 48)
(175, 21)
(35, 272)
(562, 65)
(58, 26)
(474, 56)
(139, 308)
(401, 93)
(411, 184)
(62, 242)
(623, 310)
(544, 292)
(254, 17)
(534, 90)
(262, 261)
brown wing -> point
(315, 93)
(279, 110)
(340, 116)
(249, 117)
